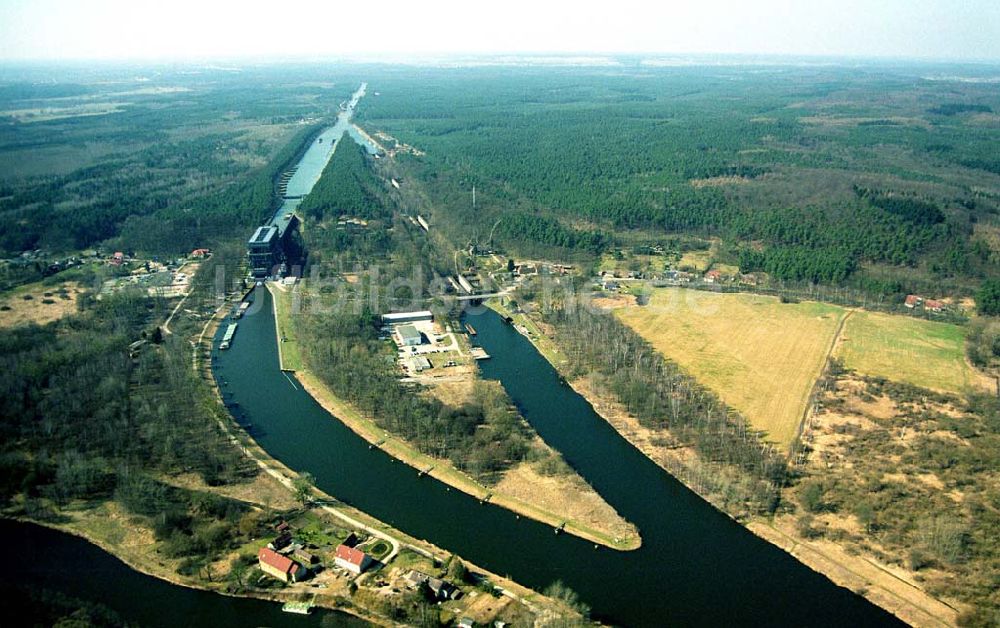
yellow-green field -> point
(289, 351)
(697, 261)
(761, 356)
(919, 352)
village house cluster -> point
(915, 301)
(288, 559)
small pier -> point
(299, 608)
(426, 471)
(487, 498)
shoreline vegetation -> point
(444, 471)
(132, 539)
(280, 477)
(877, 582)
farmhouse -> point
(912, 301)
(934, 306)
(438, 587)
(352, 559)
(713, 276)
(281, 541)
(281, 567)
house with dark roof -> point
(281, 541)
(281, 567)
(440, 589)
(352, 559)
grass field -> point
(288, 344)
(919, 352)
(38, 303)
(761, 356)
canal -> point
(48, 561)
(696, 566)
(310, 166)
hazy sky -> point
(200, 29)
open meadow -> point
(761, 356)
(919, 352)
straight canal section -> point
(695, 567)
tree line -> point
(666, 399)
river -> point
(47, 560)
(695, 567)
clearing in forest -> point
(38, 303)
(924, 353)
(760, 355)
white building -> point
(397, 318)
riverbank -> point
(519, 491)
(131, 539)
(445, 472)
(106, 525)
(862, 574)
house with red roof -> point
(281, 567)
(912, 301)
(713, 276)
(934, 306)
(352, 559)
(200, 252)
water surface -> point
(696, 566)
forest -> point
(346, 187)
(828, 176)
(163, 173)
(483, 437)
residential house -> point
(934, 306)
(713, 276)
(352, 559)
(440, 589)
(281, 567)
(282, 541)
(912, 301)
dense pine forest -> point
(882, 179)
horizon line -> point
(415, 58)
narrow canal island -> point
(695, 567)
